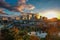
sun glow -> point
(50, 14)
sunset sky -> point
(40, 6)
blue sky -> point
(40, 5)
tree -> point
(52, 33)
(34, 38)
(5, 33)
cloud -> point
(21, 2)
(30, 7)
(1, 11)
(21, 5)
(21, 8)
(5, 5)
